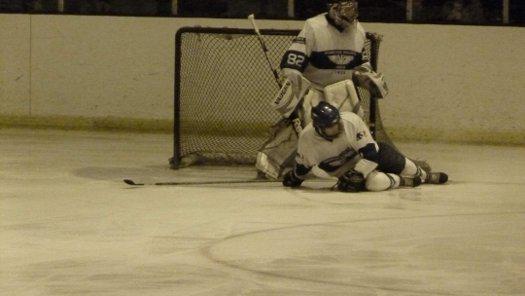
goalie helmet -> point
(343, 12)
(326, 116)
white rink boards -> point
(70, 226)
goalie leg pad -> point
(284, 99)
(285, 102)
(278, 152)
(344, 96)
(312, 98)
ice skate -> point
(410, 182)
(436, 178)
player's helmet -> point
(324, 116)
(343, 12)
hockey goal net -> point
(223, 90)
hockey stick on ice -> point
(251, 17)
(133, 183)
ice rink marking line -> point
(207, 251)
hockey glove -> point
(291, 180)
(351, 181)
(373, 82)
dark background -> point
(478, 12)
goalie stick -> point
(133, 183)
(251, 17)
(295, 121)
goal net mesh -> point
(223, 92)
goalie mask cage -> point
(223, 92)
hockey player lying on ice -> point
(341, 145)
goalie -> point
(341, 145)
(322, 64)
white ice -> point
(70, 226)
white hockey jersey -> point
(323, 53)
(330, 156)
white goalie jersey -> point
(325, 55)
(342, 153)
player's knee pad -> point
(379, 181)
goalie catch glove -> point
(373, 82)
(351, 181)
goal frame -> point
(175, 161)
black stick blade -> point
(131, 182)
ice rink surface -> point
(70, 226)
